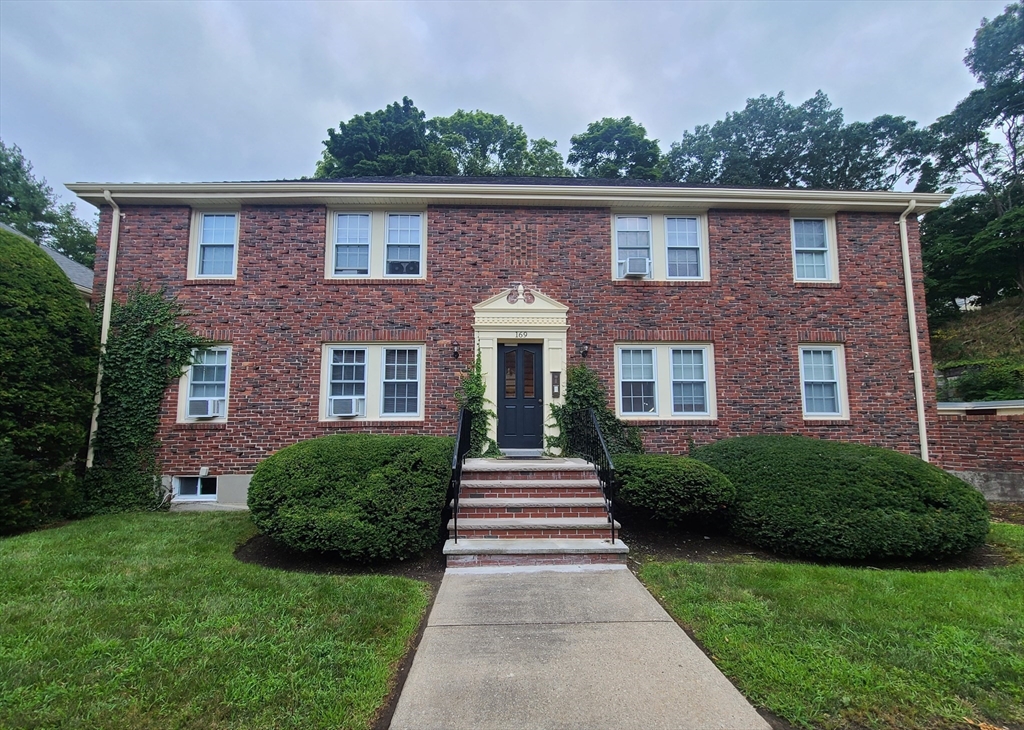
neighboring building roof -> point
(80, 276)
(534, 191)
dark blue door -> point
(520, 397)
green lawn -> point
(830, 646)
(147, 621)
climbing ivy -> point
(470, 395)
(583, 390)
(148, 348)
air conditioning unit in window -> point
(348, 407)
(637, 267)
(206, 407)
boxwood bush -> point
(672, 489)
(365, 497)
(837, 501)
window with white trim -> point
(665, 381)
(207, 384)
(375, 244)
(404, 252)
(352, 244)
(215, 245)
(822, 383)
(195, 488)
(682, 247)
(372, 381)
(814, 251)
(633, 245)
(670, 247)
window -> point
(682, 247)
(372, 381)
(403, 248)
(633, 245)
(352, 244)
(665, 381)
(822, 376)
(196, 488)
(207, 384)
(814, 253)
(375, 245)
(215, 238)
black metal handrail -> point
(463, 434)
(585, 439)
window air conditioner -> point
(348, 407)
(206, 407)
(638, 266)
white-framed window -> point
(814, 250)
(205, 385)
(683, 247)
(823, 381)
(633, 245)
(665, 380)
(195, 488)
(669, 247)
(352, 244)
(372, 381)
(213, 253)
(375, 244)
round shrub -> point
(838, 501)
(364, 497)
(672, 488)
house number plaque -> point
(521, 335)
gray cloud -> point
(240, 91)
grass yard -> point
(833, 647)
(148, 621)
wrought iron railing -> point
(463, 433)
(584, 439)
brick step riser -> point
(550, 533)
(527, 492)
(470, 561)
(490, 513)
(525, 475)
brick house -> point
(358, 304)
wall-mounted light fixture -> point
(584, 349)
(455, 349)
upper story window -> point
(206, 384)
(375, 245)
(665, 381)
(372, 381)
(814, 250)
(822, 380)
(660, 247)
(214, 245)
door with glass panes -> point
(520, 397)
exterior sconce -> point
(584, 349)
(455, 349)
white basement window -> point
(195, 488)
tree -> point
(388, 142)
(47, 374)
(974, 247)
(771, 143)
(543, 160)
(615, 148)
(30, 206)
(482, 144)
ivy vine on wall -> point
(583, 390)
(470, 395)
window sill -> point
(374, 282)
(817, 284)
(201, 425)
(208, 498)
(661, 282)
(210, 282)
(372, 423)
(674, 421)
(827, 420)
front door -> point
(520, 397)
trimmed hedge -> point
(672, 489)
(837, 501)
(364, 497)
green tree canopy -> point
(771, 143)
(615, 148)
(47, 374)
(482, 143)
(29, 205)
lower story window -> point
(206, 384)
(666, 381)
(196, 487)
(821, 375)
(372, 381)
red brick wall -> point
(979, 443)
(280, 310)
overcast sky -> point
(192, 91)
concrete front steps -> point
(531, 512)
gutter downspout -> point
(108, 297)
(915, 351)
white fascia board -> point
(420, 194)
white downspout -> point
(915, 352)
(108, 297)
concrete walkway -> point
(577, 647)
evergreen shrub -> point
(47, 374)
(672, 489)
(838, 501)
(364, 497)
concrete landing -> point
(582, 647)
